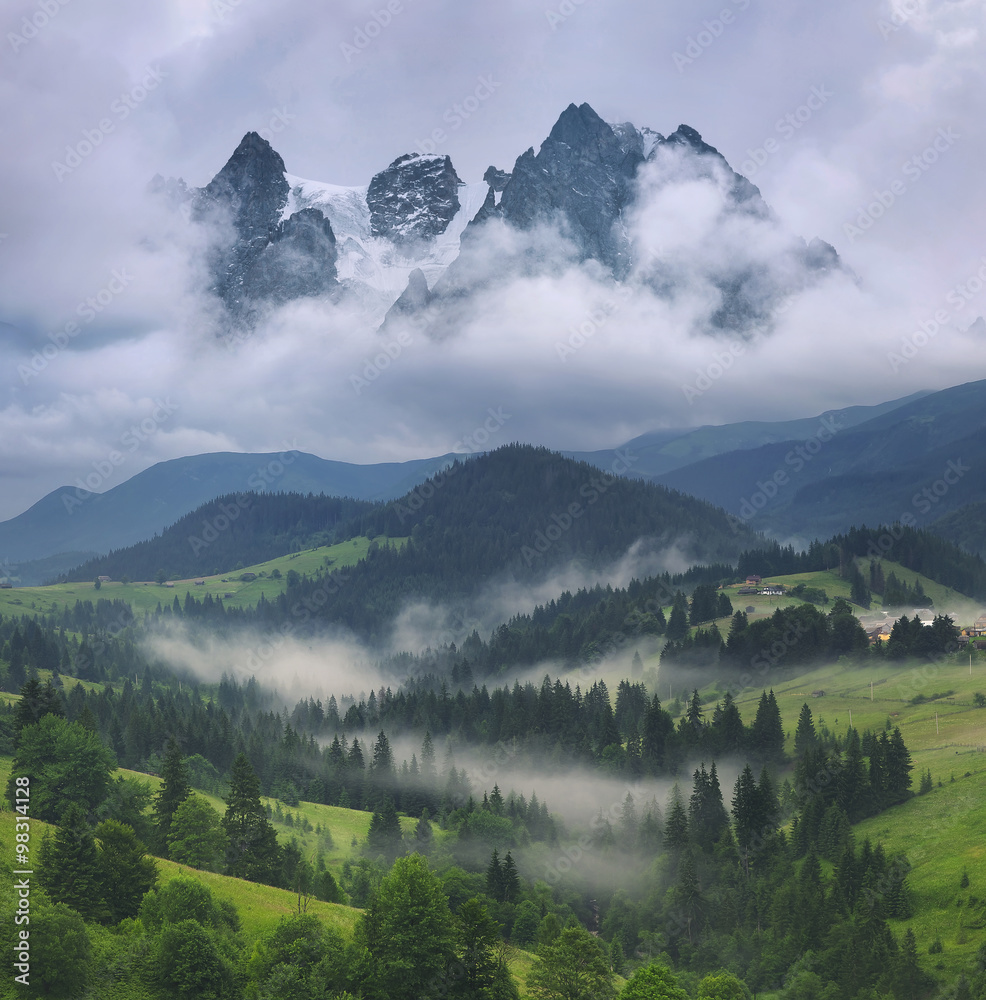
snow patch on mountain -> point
(364, 259)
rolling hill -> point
(918, 461)
(73, 525)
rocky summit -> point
(418, 236)
(415, 198)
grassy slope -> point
(954, 813)
(143, 596)
(342, 824)
(260, 906)
(941, 832)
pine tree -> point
(767, 731)
(676, 826)
(686, 896)
(851, 786)
(36, 701)
(805, 737)
(658, 730)
(511, 880)
(384, 837)
(678, 621)
(252, 851)
(707, 815)
(898, 768)
(694, 711)
(746, 815)
(859, 592)
(728, 731)
(770, 807)
(496, 801)
(68, 866)
(175, 788)
(383, 759)
(429, 774)
(494, 877)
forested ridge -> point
(517, 511)
(236, 530)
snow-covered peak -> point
(373, 261)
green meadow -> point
(146, 595)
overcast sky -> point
(825, 107)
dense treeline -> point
(232, 531)
(712, 882)
(517, 512)
(702, 891)
(921, 551)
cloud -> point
(192, 78)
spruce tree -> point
(496, 801)
(767, 731)
(676, 826)
(678, 622)
(898, 768)
(68, 868)
(175, 788)
(383, 759)
(805, 737)
(494, 877)
(728, 731)
(511, 880)
(252, 852)
(746, 815)
(852, 792)
(384, 837)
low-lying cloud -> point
(71, 238)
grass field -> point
(144, 596)
(343, 825)
(943, 834)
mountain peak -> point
(253, 154)
(252, 184)
(415, 198)
(685, 135)
(576, 125)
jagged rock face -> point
(583, 175)
(269, 260)
(298, 261)
(496, 178)
(591, 181)
(251, 187)
(415, 198)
